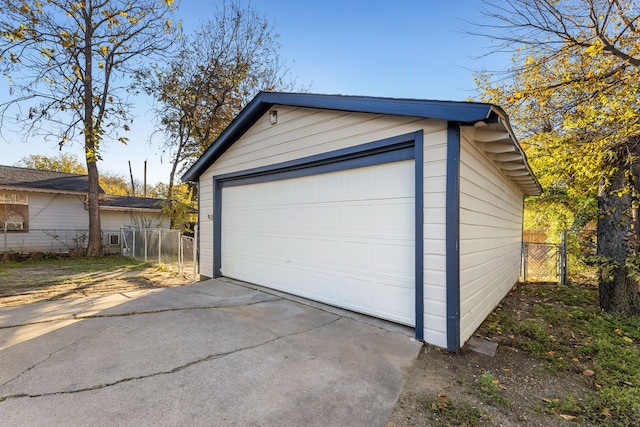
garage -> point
(344, 238)
(402, 209)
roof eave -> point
(41, 190)
(129, 209)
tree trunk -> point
(94, 247)
(171, 197)
(618, 236)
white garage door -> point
(344, 238)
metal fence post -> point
(564, 268)
(179, 235)
(525, 261)
(159, 245)
(195, 251)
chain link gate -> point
(543, 262)
(555, 262)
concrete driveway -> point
(214, 353)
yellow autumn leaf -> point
(568, 417)
(627, 339)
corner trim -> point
(453, 236)
(419, 230)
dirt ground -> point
(439, 377)
(17, 288)
(442, 388)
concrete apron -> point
(214, 353)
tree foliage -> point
(572, 91)
(217, 71)
(68, 64)
(110, 182)
(63, 162)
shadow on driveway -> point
(213, 353)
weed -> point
(566, 329)
(490, 389)
(446, 413)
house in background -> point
(46, 211)
(407, 210)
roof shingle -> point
(13, 176)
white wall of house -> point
(116, 219)
(57, 222)
(490, 235)
(303, 132)
(57, 211)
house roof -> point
(12, 177)
(111, 202)
(465, 113)
(24, 179)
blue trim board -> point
(463, 112)
(419, 223)
(389, 150)
(453, 236)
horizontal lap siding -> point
(57, 211)
(490, 237)
(303, 132)
(435, 300)
(115, 220)
(205, 225)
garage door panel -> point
(302, 219)
(301, 251)
(327, 219)
(325, 287)
(359, 217)
(278, 219)
(395, 259)
(356, 255)
(396, 219)
(360, 184)
(344, 238)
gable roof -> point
(492, 118)
(16, 178)
(464, 112)
(24, 179)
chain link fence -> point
(54, 241)
(161, 246)
(543, 261)
(157, 246)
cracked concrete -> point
(212, 353)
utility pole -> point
(133, 186)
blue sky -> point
(401, 49)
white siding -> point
(57, 221)
(303, 132)
(435, 277)
(490, 236)
(57, 211)
(114, 220)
